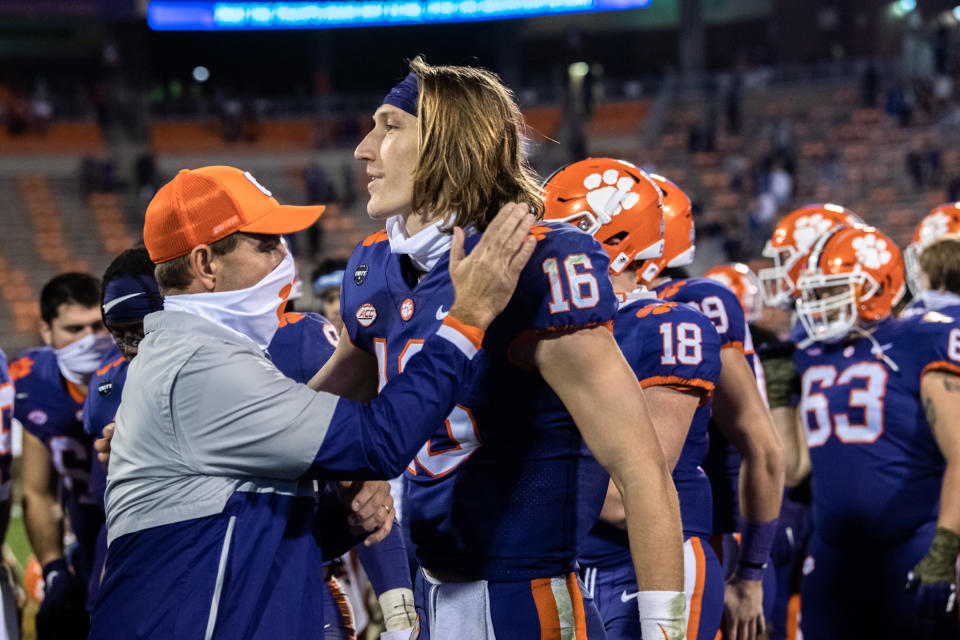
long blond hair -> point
(471, 136)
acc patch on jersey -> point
(105, 387)
(37, 416)
(360, 274)
(366, 314)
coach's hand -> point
(62, 614)
(371, 507)
(485, 280)
(935, 576)
(102, 445)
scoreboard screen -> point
(174, 15)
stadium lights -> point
(908, 5)
(201, 73)
(171, 15)
(956, 13)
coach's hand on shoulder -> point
(62, 614)
(485, 280)
(371, 508)
(102, 445)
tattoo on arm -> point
(930, 411)
(951, 383)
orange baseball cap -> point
(201, 206)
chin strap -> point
(876, 349)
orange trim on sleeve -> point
(677, 381)
(546, 604)
(579, 616)
(696, 599)
(696, 384)
(379, 236)
(20, 368)
(734, 344)
(102, 370)
(940, 365)
(524, 339)
(473, 334)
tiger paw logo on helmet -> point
(808, 229)
(872, 251)
(615, 196)
(935, 226)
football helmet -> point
(738, 277)
(854, 275)
(678, 232)
(792, 239)
(941, 222)
(613, 201)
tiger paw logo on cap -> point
(366, 314)
(406, 309)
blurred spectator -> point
(146, 176)
(923, 161)
(327, 279)
(781, 183)
(732, 104)
(868, 86)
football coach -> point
(211, 506)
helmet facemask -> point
(828, 306)
(776, 284)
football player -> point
(781, 582)
(793, 236)
(744, 283)
(942, 222)
(675, 353)
(876, 396)
(740, 418)
(490, 499)
(51, 385)
(9, 625)
(302, 344)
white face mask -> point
(425, 248)
(253, 312)
(79, 360)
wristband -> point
(755, 543)
(662, 614)
(398, 610)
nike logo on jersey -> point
(627, 597)
(441, 314)
(116, 301)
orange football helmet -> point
(678, 232)
(738, 277)
(792, 239)
(941, 222)
(613, 201)
(853, 275)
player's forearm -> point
(43, 522)
(949, 505)
(761, 480)
(785, 421)
(654, 529)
